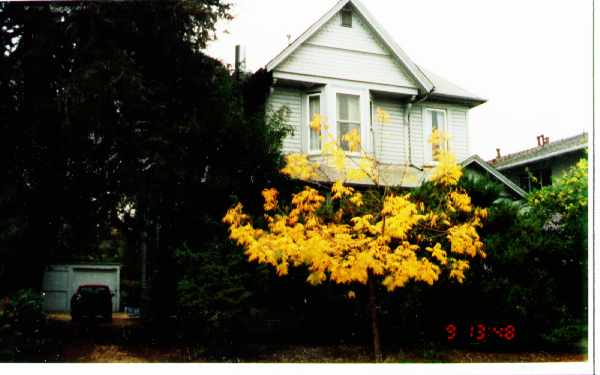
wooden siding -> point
(459, 132)
(417, 141)
(390, 138)
(359, 37)
(292, 99)
(354, 54)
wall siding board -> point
(357, 66)
(416, 135)
(359, 37)
(355, 53)
(292, 99)
(457, 126)
(390, 138)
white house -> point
(345, 67)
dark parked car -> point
(91, 301)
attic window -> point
(347, 17)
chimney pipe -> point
(540, 140)
(240, 60)
(546, 140)
(498, 156)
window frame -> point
(308, 121)
(428, 129)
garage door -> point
(56, 289)
(61, 282)
(83, 276)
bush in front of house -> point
(22, 325)
(534, 276)
(213, 294)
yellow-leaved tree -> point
(348, 236)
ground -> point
(115, 342)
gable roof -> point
(424, 83)
(552, 149)
(475, 159)
(428, 82)
(444, 89)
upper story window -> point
(348, 118)
(346, 17)
(435, 120)
(314, 123)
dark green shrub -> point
(571, 335)
(213, 293)
(22, 324)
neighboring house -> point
(538, 166)
(345, 68)
(476, 167)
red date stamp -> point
(481, 332)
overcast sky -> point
(531, 59)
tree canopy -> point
(114, 121)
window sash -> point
(348, 117)
(348, 107)
(437, 120)
(345, 127)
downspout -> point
(373, 143)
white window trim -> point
(364, 98)
(427, 129)
(308, 120)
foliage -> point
(534, 276)
(213, 294)
(348, 237)
(565, 200)
(482, 190)
(570, 334)
(339, 237)
(537, 271)
(111, 117)
(22, 322)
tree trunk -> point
(374, 320)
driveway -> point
(122, 340)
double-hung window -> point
(435, 120)
(348, 119)
(314, 123)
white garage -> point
(62, 280)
